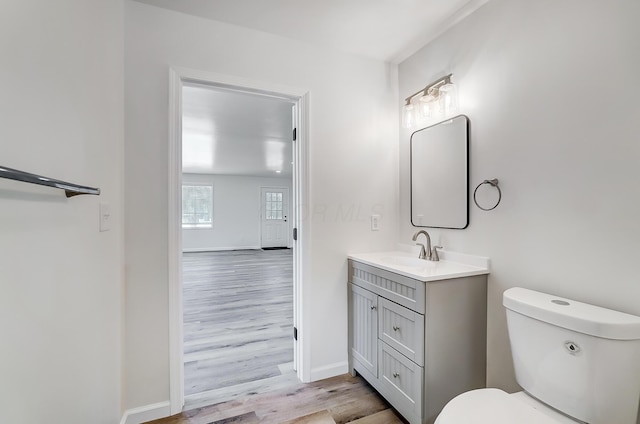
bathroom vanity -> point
(417, 329)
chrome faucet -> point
(425, 252)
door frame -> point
(288, 217)
(301, 258)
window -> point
(273, 205)
(197, 206)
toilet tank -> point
(580, 359)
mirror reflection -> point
(440, 175)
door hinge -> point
(295, 234)
(295, 134)
(295, 333)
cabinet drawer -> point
(400, 289)
(401, 381)
(402, 329)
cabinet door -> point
(364, 328)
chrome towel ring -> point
(493, 183)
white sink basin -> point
(451, 264)
(406, 261)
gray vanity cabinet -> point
(419, 344)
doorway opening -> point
(238, 175)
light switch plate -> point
(375, 222)
(105, 217)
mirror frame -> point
(467, 133)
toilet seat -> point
(493, 406)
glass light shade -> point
(408, 115)
(427, 105)
(448, 99)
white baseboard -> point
(218, 249)
(330, 370)
(146, 413)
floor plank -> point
(322, 417)
(248, 418)
(383, 417)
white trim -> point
(300, 98)
(295, 223)
(302, 247)
(174, 208)
(146, 413)
(218, 249)
(239, 83)
(330, 370)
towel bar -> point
(70, 189)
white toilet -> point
(576, 363)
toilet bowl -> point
(494, 406)
(577, 363)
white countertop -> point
(450, 265)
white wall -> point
(353, 148)
(551, 90)
(61, 280)
(236, 212)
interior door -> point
(274, 216)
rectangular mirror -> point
(440, 175)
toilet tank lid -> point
(573, 315)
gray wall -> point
(236, 212)
(551, 90)
(61, 280)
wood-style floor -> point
(238, 323)
(337, 400)
(238, 314)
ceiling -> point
(388, 30)
(235, 133)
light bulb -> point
(408, 115)
(427, 104)
(448, 99)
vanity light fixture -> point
(438, 99)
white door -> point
(274, 216)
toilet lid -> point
(490, 406)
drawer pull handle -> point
(396, 375)
(395, 328)
(373, 308)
